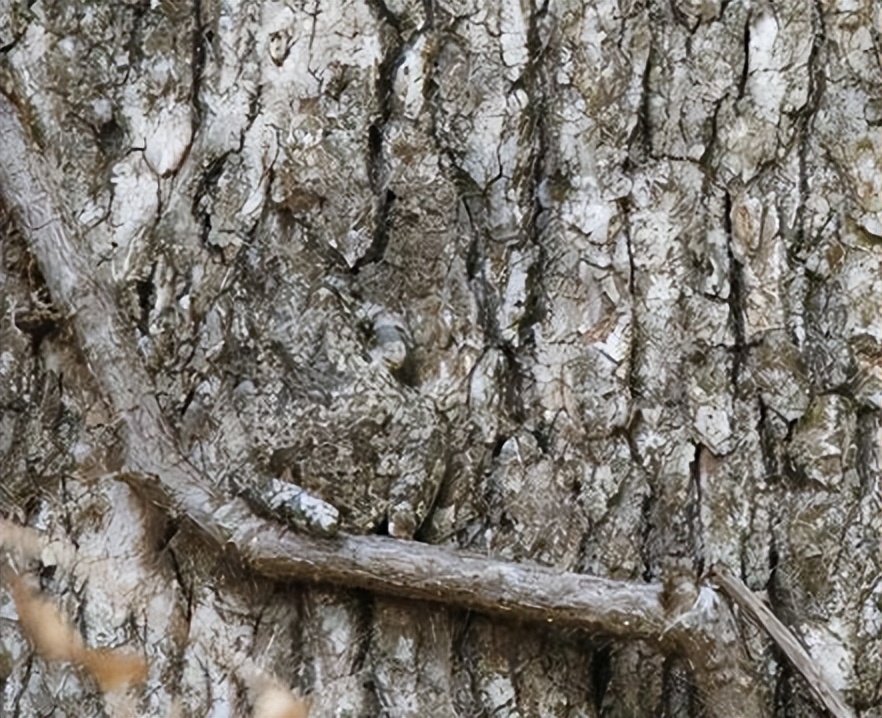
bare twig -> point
(738, 592)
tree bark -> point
(570, 300)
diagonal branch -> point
(740, 594)
(103, 335)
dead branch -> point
(705, 633)
(521, 591)
(741, 595)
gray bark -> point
(595, 286)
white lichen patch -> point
(166, 135)
(830, 652)
(135, 202)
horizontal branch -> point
(705, 631)
(155, 460)
(413, 570)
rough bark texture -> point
(595, 285)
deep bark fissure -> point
(640, 142)
(601, 674)
(740, 348)
(384, 198)
(198, 69)
(534, 79)
(693, 512)
(745, 67)
(804, 121)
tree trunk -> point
(569, 302)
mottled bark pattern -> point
(593, 284)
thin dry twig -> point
(818, 683)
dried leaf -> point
(52, 637)
(274, 701)
(113, 669)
